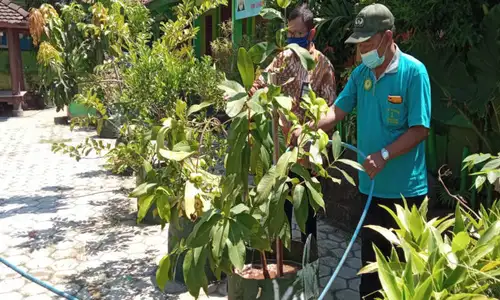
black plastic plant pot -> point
(175, 234)
(303, 284)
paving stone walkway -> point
(71, 224)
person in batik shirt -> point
(293, 75)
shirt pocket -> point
(394, 112)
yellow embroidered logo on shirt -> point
(393, 116)
(368, 84)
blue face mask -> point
(301, 41)
(371, 59)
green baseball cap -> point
(371, 19)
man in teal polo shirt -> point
(392, 97)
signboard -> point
(247, 8)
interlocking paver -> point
(71, 224)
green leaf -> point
(163, 272)
(284, 102)
(259, 52)
(477, 158)
(235, 104)
(144, 205)
(174, 155)
(460, 242)
(346, 176)
(387, 278)
(236, 252)
(352, 163)
(424, 290)
(190, 194)
(459, 225)
(240, 208)
(492, 165)
(336, 145)
(220, 235)
(143, 189)
(200, 235)
(197, 107)
(368, 269)
(283, 3)
(271, 14)
(387, 233)
(163, 205)
(284, 161)
(231, 88)
(300, 206)
(255, 107)
(245, 67)
(317, 197)
(265, 186)
(492, 232)
(194, 270)
(305, 57)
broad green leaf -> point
(460, 242)
(323, 141)
(180, 109)
(197, 107)
(424, 290)
(220, 235)
(336, 145)
(424, 207)
(492, 165)
(417, 223)
(235, 104)
(271, 14)
(245, 67)
(265, 186)
(236, 252)
(316, 195)
(283, 3)
(352, 163)
(479, 181)
(163, 205)
(259, 52)
(163, 272)
(300, 206)
(387, 233)
(493, 176)
(190, 194)
(408, 277)
(143, 189)
(200, 235)
(231, 88)
(284, 162)
(387, 278)
(284, 102)
(144, 205)
(174, 155)
(255, 107)
(240, 208)
(193, 269)
(305, 57)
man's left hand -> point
(373, 164)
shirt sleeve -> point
(419, 100)
(347, 100)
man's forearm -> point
(328, 122)
(406, 142)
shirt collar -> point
(394, 65)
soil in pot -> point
(300, 281)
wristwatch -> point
(385, 154)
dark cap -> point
(371, 20)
